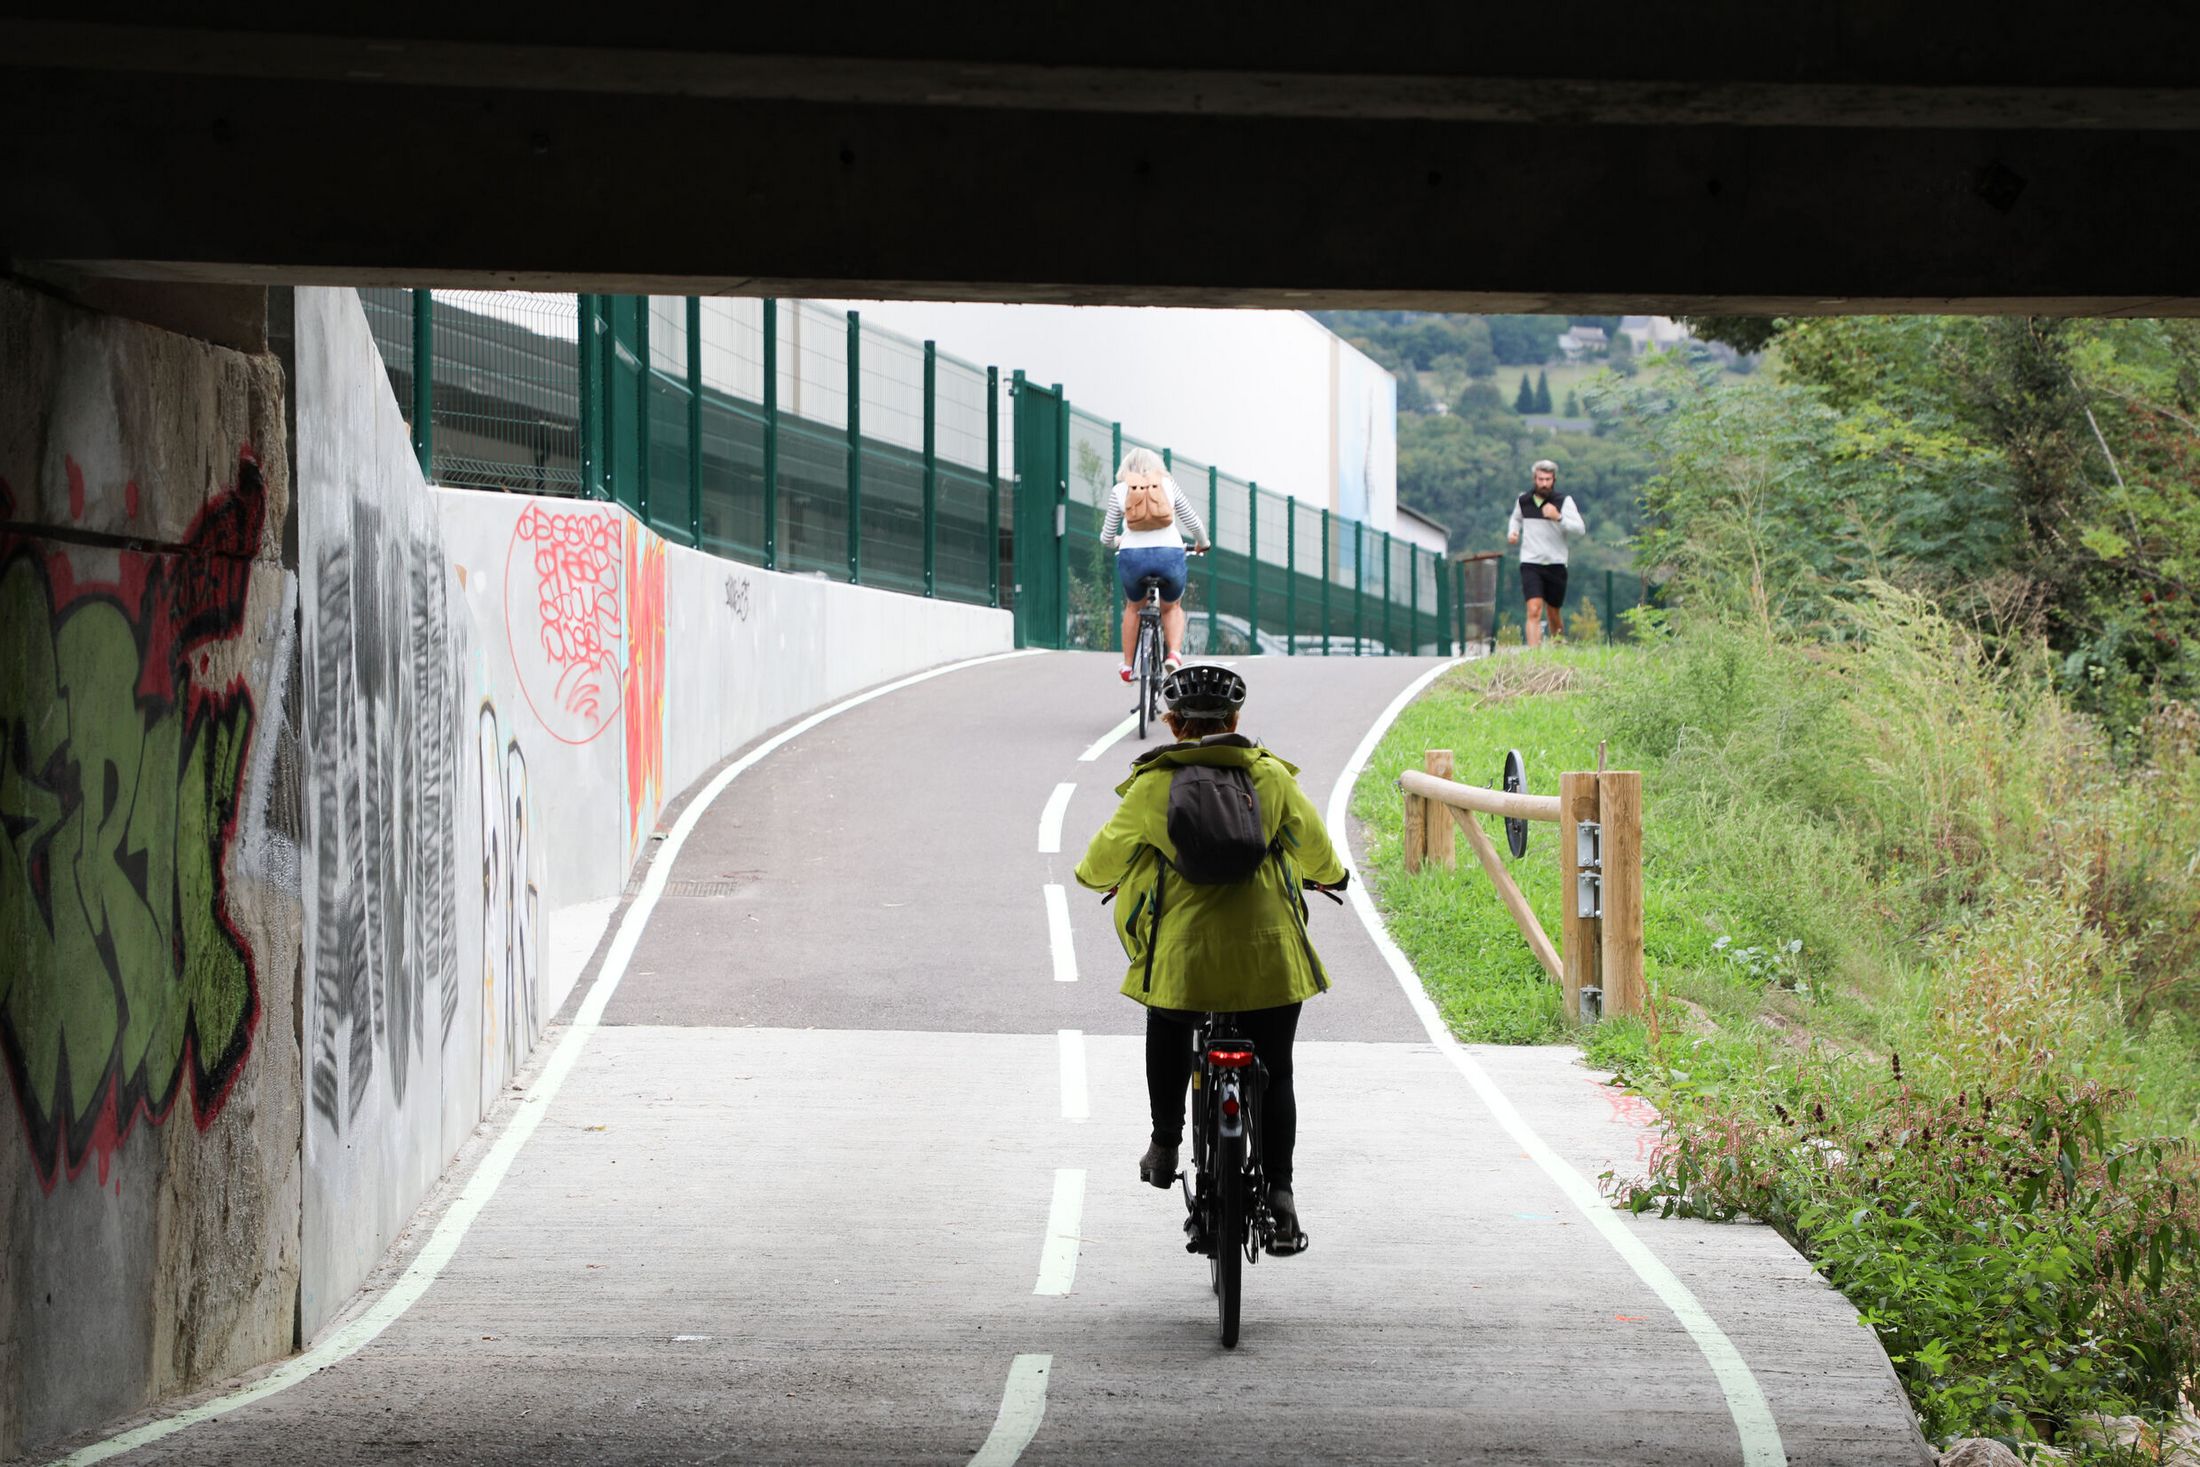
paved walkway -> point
(848, 1156)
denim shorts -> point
(1132, 566)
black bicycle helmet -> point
(1203, 691)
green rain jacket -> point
(1218, 948)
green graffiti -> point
(118, 792)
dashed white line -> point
(1058, 1259)
(1107, 740)
(1050, 819)
(1075, 1106)
(1745, 1399)
(1058, 935)
(1023, 1406)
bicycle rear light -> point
(1229, 1107)
(1230, 1059)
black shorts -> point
(1545, 583)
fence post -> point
(771, 433)
(1387, 558)
(1413, 602)
(1580, 936)
(1441, 840)
(1214, 539)
(1252, 566)
(931, 470)
(641, 409)
(855, 449)
(1168, 461)
(993, 486)
(585, 419)
(1290, 575)
(1441, 566)
(1359, 586)
(695, 421)
(1416, 831)
(1115, 451)
(1062, 421)
(1619, 810)
(1327, 576)
(423, 304)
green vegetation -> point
(1922, 782)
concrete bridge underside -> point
(1826, 157)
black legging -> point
(1169, 1071)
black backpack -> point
(1215, 825)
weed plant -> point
(1921, 950)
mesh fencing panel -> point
(506, 375)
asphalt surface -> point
(801, 1199)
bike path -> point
(793, 1201)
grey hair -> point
(1542, 464)
(1144, 462)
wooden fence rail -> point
(1598, 961)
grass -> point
(1903, 908)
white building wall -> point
(1271, 396)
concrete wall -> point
(149, 875)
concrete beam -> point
(182, 178)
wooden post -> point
(1580, 937)
(1442, 840)
(1619, 806)
(1523, 916)
(1416, 834)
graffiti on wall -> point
(124, 735)
(383, 728)
(737, 597)
(563, 613)
(645, 680)
(510, 906)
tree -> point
(1622, 354)
(1746, 334)
(1474, 345)
(1573, 403)
(1543, 392)
(1525, 401)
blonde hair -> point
(1146, 464)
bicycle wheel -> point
(1149, 665)
(1229, 1234)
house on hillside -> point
(1652, 333)
(1583, 341)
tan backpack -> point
(1146, 506)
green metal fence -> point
(799, 438)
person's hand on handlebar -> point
(1198, 549)
(1328, 891)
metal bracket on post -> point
(1589, 883)
(1592, 1005)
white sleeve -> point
(1569, 518)
(1186, 515)
(1512, 521)
(1111, 528)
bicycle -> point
(1227, 1216)
(1148, 664)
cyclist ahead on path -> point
(1148, 519)
(1199, 947)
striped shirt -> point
(1170, 536)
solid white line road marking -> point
(1023, 1406)
(1058, 936)
(1075, 1107)
(1050, 819)
(1058, 1260)
(1745, 1399)
(352, 1335)
(1107, 740)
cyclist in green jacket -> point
(1239, 948)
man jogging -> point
(1541, 521)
